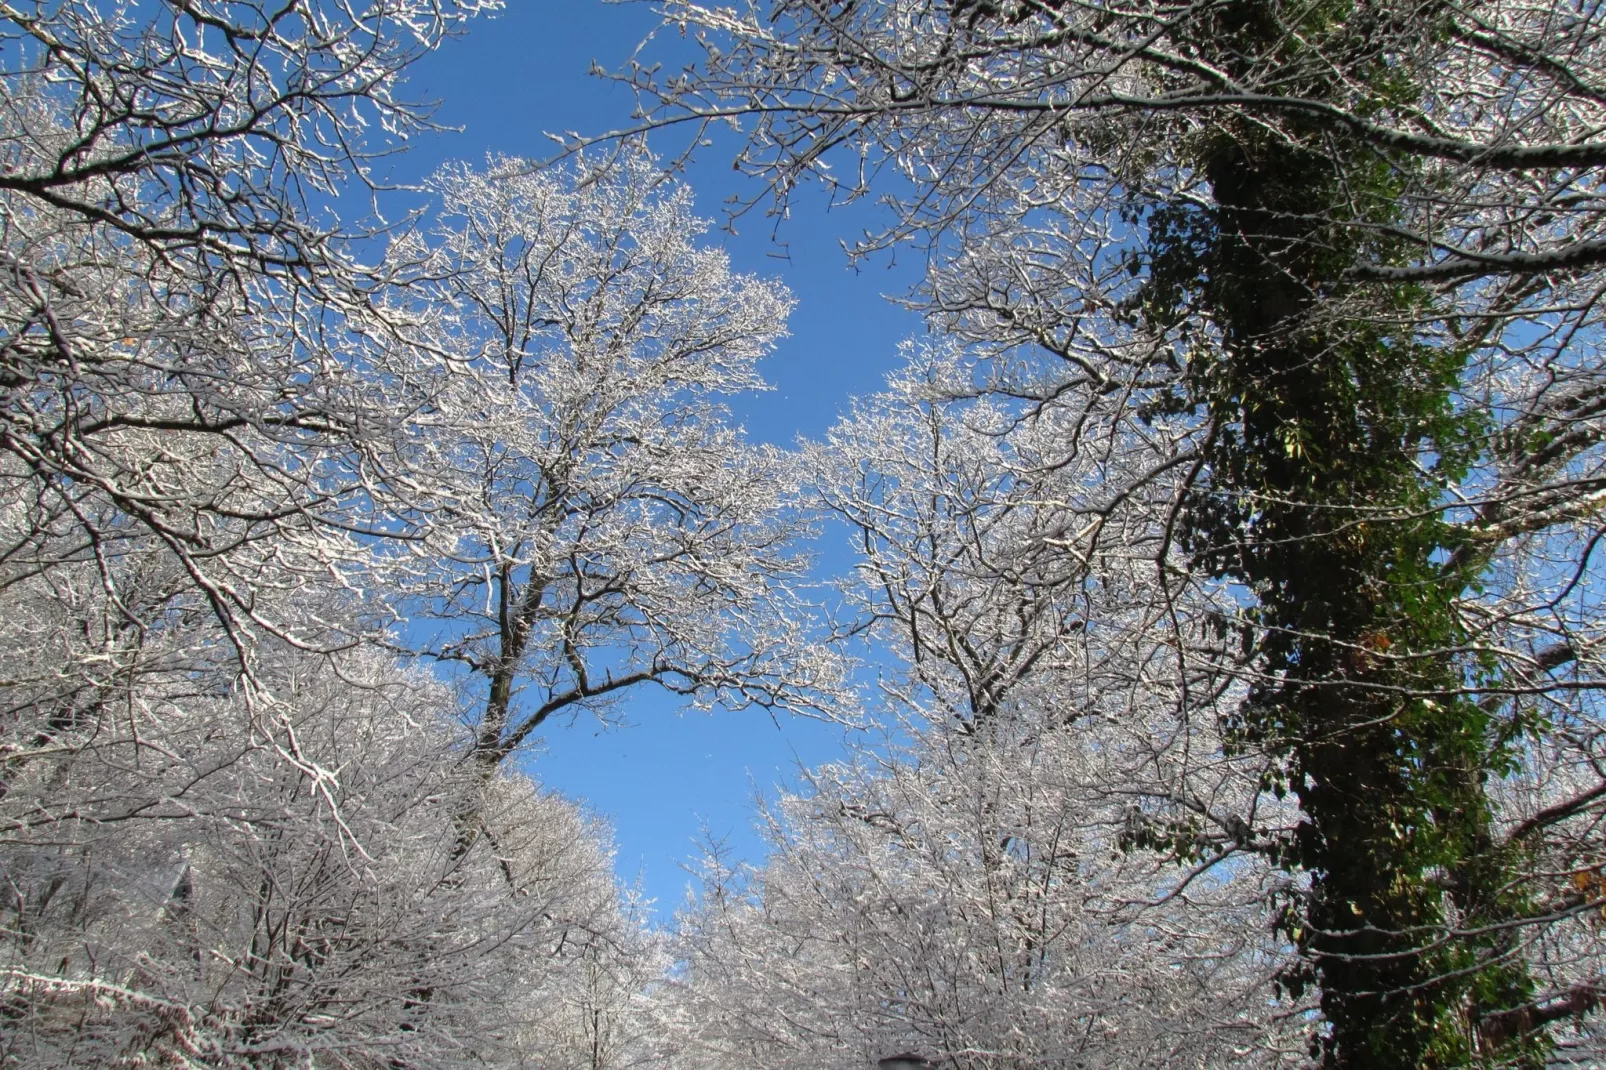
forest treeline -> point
(1225, 625)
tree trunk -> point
(1318, 501)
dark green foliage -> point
(1332, 436)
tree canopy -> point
(1225, 596)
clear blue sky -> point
(506, 83)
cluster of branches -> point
(1048, 861)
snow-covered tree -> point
(1050, 862)
(597, 522)
(198, 874)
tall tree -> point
(1356, 244)
(597, 521)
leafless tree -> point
(989, 884)
(596, 521)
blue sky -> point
(665, 779)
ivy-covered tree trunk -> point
(1333, 434)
